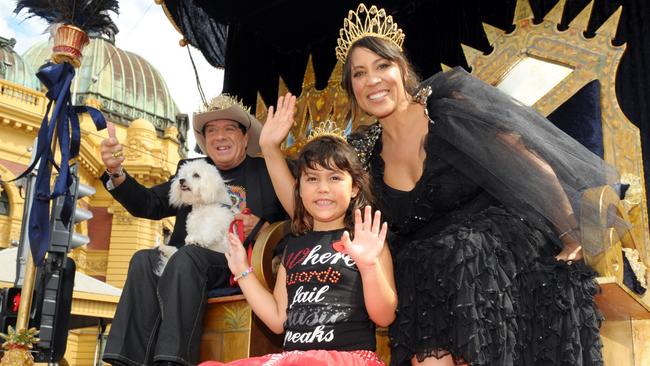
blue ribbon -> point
(65, 120)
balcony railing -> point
(13, 94)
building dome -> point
(127, 86)
(142, 124)
(13, 68)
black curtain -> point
(272, 38)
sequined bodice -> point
(441, 191)
(441, 194)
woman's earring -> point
(422, 95)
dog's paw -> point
(165, 252)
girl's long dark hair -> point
(334, 154)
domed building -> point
(127, 86)
(133, 95)
(13, 68)
(19, 95)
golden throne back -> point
(568, 61)
(314, 106)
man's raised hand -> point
(111, 150)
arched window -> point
(4, 202)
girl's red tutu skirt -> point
(311, 358)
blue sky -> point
(145, 30)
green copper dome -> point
(13, 68)
(126, 84)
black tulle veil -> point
(487, 129)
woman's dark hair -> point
(334, 154)
(389, 51)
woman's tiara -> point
(367, 22)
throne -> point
(569, 63)
(545, 68)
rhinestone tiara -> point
(326, 128)
(367, 22)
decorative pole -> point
(71, 21)
(19, 342)
(69, 41)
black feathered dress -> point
(474, 264)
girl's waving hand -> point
(375, 265)
(369, 238)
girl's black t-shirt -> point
(326, 308)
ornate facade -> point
(134, 96)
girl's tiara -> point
(367, 22)
(326, 128)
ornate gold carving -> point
(236, 316)
(134, 147)
(522, 11)
(581, 21)
(91, 262)
(470, 53)
(120, 215)
(555, 15)
(638, 267)
(492, 33)
(171, 132)
(591, 59)
(313, 105)
(92, 102)
(103, 306)
(634, 194)
(608, 29)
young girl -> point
(332, 287)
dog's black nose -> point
(181, 181)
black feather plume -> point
(92, 16)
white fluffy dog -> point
(199, 184)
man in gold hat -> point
(141, 333)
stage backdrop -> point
(259, 40)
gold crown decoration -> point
(367, 22)
(69, 42)
(225, 101)
(326, 128)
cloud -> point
(5, 30)
(26, 31)
(6, 8)
(153, 37)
